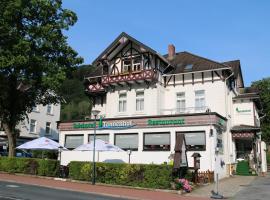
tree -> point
(34, 58)
(264, 89)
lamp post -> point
(61, 174)
(129, 152)
(95, 114)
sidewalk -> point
(96, 189)
(228, 187)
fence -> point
(205, 177)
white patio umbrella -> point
(41, 143)
(100, 146)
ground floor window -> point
(73, 141)
(156, 141)
(126, 141)
(195, 141)
(104, 137)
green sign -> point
(105, 125)
(242, 110)
(79, 125)
(166, 122)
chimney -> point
(171, 51)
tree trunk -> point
(11, 135)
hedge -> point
(40, 167)
(137, 175)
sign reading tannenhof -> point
(105, 125)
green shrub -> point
(268, 157)
(137, 175)
(29, 166)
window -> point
(199, 100)
(104, 137)
(50, 109)
(136, 63)
(188, 67)
(126, 141)
(73, 141)
(122, 107)
(219, 141)
(195, 141)
(35, 109)
(157, 141)
(126, 65)
(33, 126)
(139, 101)
(48, 128)
(180, 102)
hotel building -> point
(148, 100)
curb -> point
(98, 184)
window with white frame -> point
(104, 137)
(50, 109)
(139, 101)
(180, 102)
(136, 63)
(73, 141)
(126, 65)
(157, 141)
(122, 105)
(48, 128)
(33, 126)
(199, 100)
(126, 141)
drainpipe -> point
(226, 111)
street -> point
(16, 191)
(256, 190)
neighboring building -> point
(42, 121)
(148, 100)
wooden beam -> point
(183, 79)
(202, 77)
(173, 80)
(192, 78)
(212, 74)
(165, 80)
(169, 80)
(218, 75)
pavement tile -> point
(97, 189)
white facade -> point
(200, 92)
(42, 121)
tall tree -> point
(264, 88)
(34, 58)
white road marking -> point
(12, 186)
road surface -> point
(259, 189)
(16, 191)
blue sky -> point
(215, 29)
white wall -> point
(41, 116)
(140, 156)
(243, 111)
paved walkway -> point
(228, 187)
(258, 189)
(96, 189)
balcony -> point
(187, 110)
(131, 77)
(96, 88)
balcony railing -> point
(186, 110)
(148, 74)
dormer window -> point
(126, 65)
(136, 64)
(188, 67)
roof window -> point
(188, 67)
